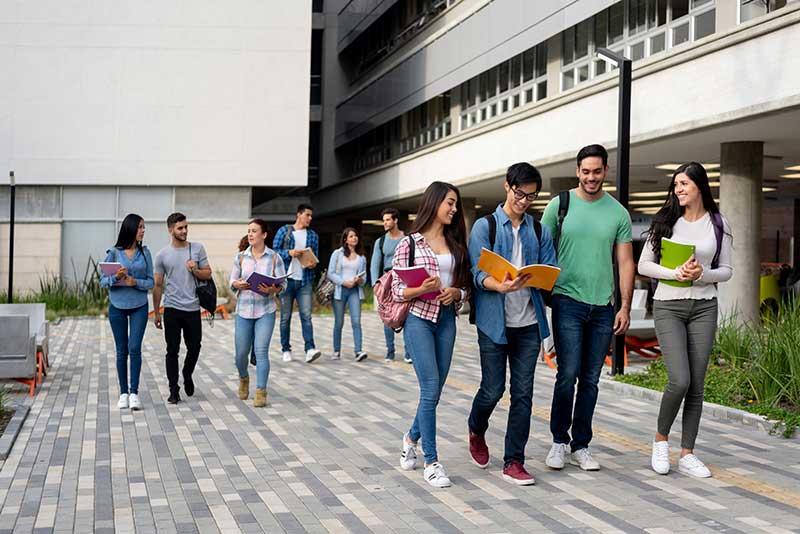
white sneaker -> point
(436, 476)
(361, 356)
(659, 459)
(336, 356)
(123, 401)
(312, 354)
(287, 355)
(408, 458)
(692, 466)
(134, 402)
(583, 459)
(557, 457)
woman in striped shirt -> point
(255, 310)
(440, 245)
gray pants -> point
(685, 330)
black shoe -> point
(174, 398)
(252, 358)
(188, 385)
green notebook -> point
(673, 255)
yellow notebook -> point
(541, 276)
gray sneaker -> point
(557, 457)
(583, 459)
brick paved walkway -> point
(324, 456)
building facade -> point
(457, 90)
(112, 108)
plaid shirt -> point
(251, 305)
(425, 257)
(283, 244)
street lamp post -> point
(12, 194)
(623, 168)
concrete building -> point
(117, 107)
(457, 90)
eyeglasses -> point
(520, 195)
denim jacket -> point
(490, 305)
(140, 268)
(335, 273)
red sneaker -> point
(516, 474)
(478, 450)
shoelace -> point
(692, 460)
(662, 453)
(584, 455)
(438, 472)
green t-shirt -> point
(588, 236)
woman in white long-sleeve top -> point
(686, 316)
(347, 269)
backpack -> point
(537, 228)
(392, 313)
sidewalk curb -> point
(11, 432)
(733, 415)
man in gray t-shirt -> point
(181, 265)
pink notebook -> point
(413, 277)
(109, 268)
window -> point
(637, 51)
(704, 24)
(750, 9)
(680, 34)
(658, 43)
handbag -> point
(206, 292)
(326, 287)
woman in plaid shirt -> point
(440, 245)
(255, 312)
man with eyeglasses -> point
(510, 319)
(583, 312)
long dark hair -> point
(671, 211)
(455, 233)
(128, 231)
(345, 233)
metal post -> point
(11, 239)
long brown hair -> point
(455, 233)
(345, 233)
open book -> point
(257, 278)
(413, 277)
(307, 258)
(496, 266)
(673, 255)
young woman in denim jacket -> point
(347, 269)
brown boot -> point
(261, 398)
(244, 388)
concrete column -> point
(742, 172)
(561, 183)
(469, 211)
(554, 65)
(455, 109)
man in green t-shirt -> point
(595, 227)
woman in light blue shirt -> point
(255, 308)
(127, 308)
(347, 269)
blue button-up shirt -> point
(140, 268)
(490, 309)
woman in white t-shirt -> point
(347, 269)
(685, 306)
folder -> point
(413, 277)
(673, 255)
(541, 276)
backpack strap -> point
(492, 230)
(287, 237)
(537, 229)
(381, 242)
(274, 263)
(719, 233)
(411, 250)
(563, 208)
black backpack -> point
(537, 228)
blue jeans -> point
(303, 296)
(388, 333)
(350, 299)
(254, 334)
(521, 351)
(582, 334)
(431, 347)
(128, 329)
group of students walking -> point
(583, 231)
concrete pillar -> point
(455, 109)
(469, 211)
(561, 183)
(741, 176)
(554, 65)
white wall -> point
(156, 92)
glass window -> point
(528, 61)
(583, 73)
(568, 79)
(637, 51)
(541, 90)
(492, 110)
(492, 82)
(541, 59)
(662, 12)
(528, 96)
(680, 8)
(515, 101)
(568, 46)
(637, 20)
(704, 24)
(658, 43)
(696, 3)
(516, 71)
(503, 76)
(616, 23)
(601, 29)
(484, 86)
(504, 105)
(483, 114)
(680, 34)
(473, 91)
(651, 14)
(599, 67)
(751, 9)
(582, 39)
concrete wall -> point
(37, 252)
(221, 242)
(155, 93)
